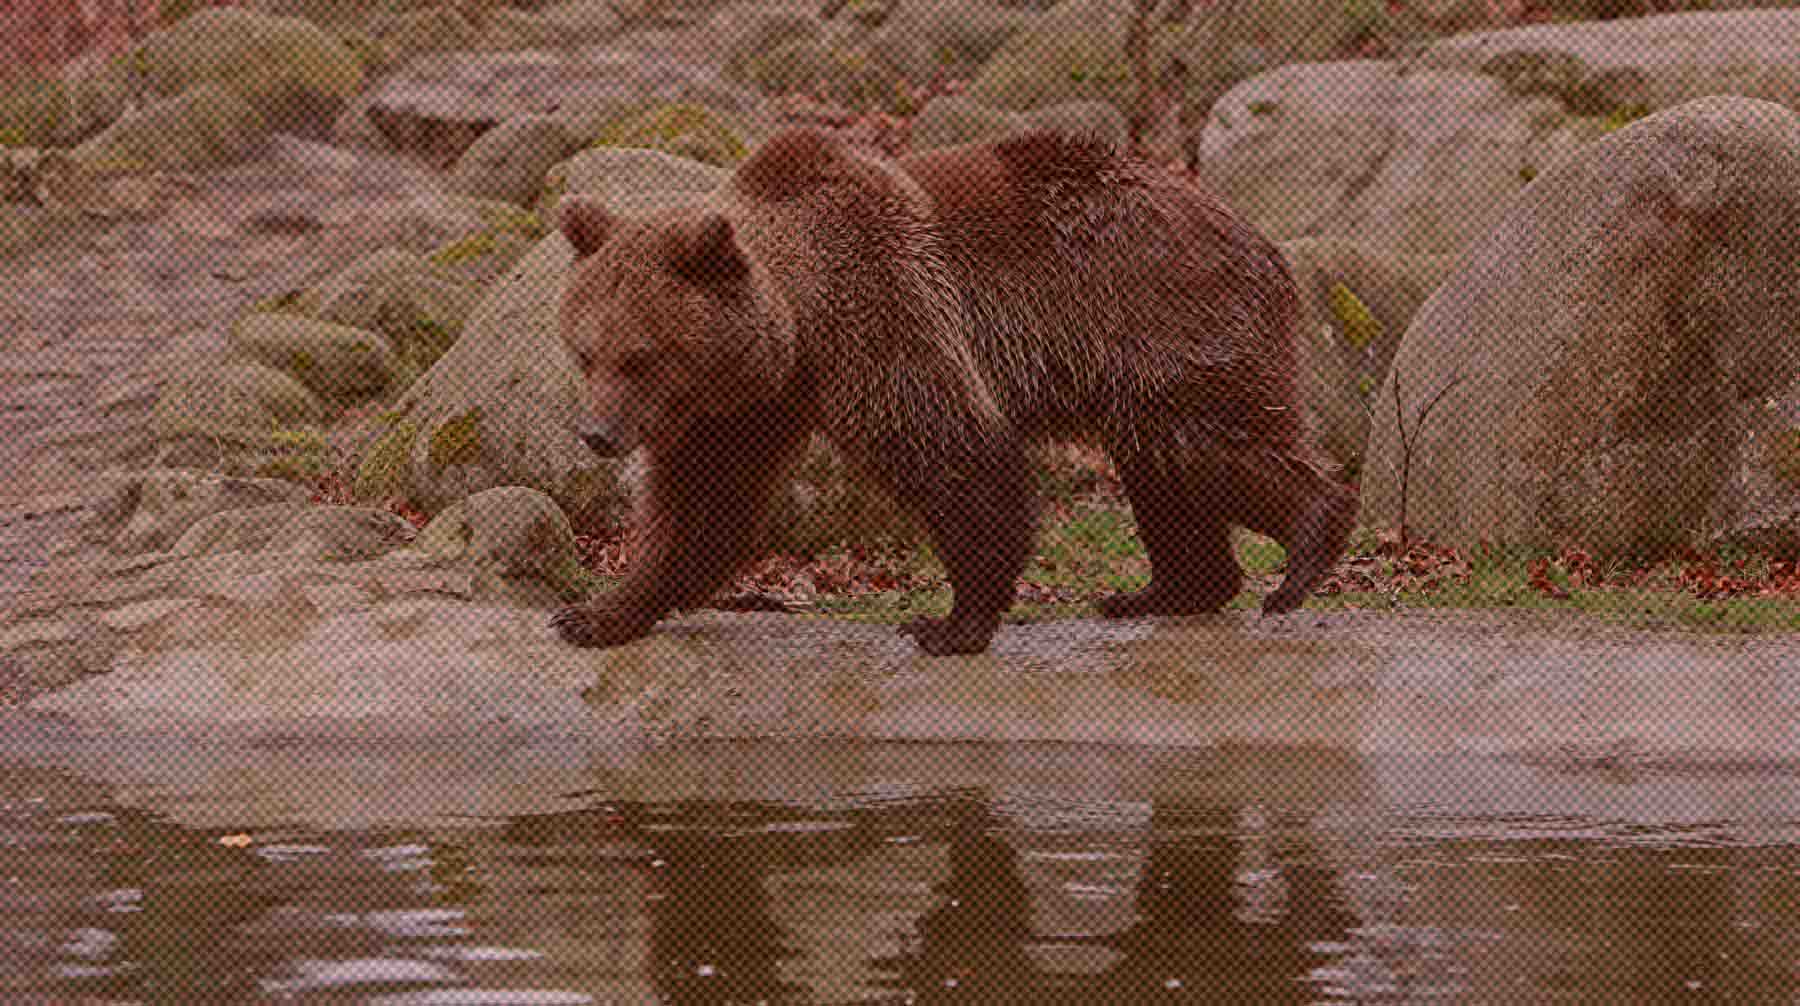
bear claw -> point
(588, 628)
(943, 637)
(1156, 600)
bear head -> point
(669, 318)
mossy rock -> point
(623, 177)
(208, 125)
(508, 162)
(238, 404)
(848, 75)
(683, 130)
(391, 291)
(432, 29)
(334, 361)
(1075, 52)
(750, 32)
(948, 40)
(384, 462)
(953, 120)
(286, 67)
(32, 110)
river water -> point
(489, 872)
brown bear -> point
(934, 317)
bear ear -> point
(706, 251)
(586, 224)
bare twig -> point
(1410, 441)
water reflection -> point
(1195, 881)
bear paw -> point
(942, 637)
(589, 627)
(1157, 599)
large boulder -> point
(949, 39)
(500, 407)
(1626, 345)
(1411, 162)
(438, 104)
(207, 412)
(1077, 49)
(633, 179)
(508, 162)
(202, 127)
(1355, 305)
(335, 362)
(684, 129)
(1648, 63)
(289, 69)
(747, 33)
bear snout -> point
(600, 437)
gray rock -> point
(1411, 163)
(634, 180)
(439, 104)
(340, 533)
(953, 120)
(1626, 339)
(406, 34)
(164, 503)
(1596, 67)
(509, 161)
(334, 361)
(948, 39)
(207, 126)
(244, 530)
(232, 404)
(1355, 305)
(511, 531)
(469, 424)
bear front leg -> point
(981, 509)
(705, 510)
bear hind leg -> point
(1310, 514)
(1193, 569)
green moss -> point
(465, 249)
(572, 581)
(458, 440)
(299, 455)
(1264, 109)
(1355, 320)
(1365, 385)
(279, 303)
(684, 130)
(30, 111)
(425, 342)
(383, 466)
(1622, 116)
(1527, 173)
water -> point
(713, 874)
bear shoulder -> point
(1024, 169)
(800, 163)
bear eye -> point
(633, 365)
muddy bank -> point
(1368, 683)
